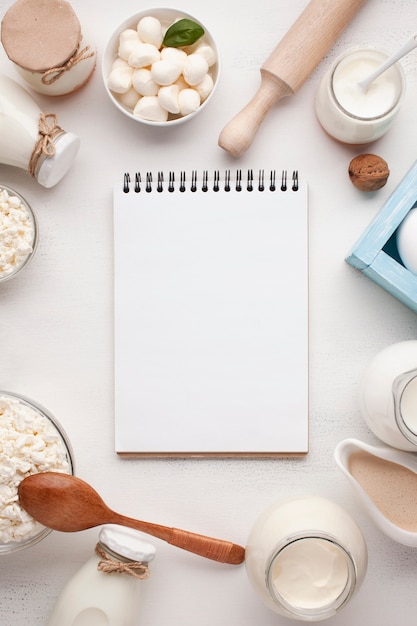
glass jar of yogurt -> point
(351, 114)
(306, 557)
(49, 49)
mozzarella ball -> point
(174, 54)
(168, 98)
(181, 82)
(150, 31)
(195, 68)
(128, 39)
(143, 83)
(129, 99)
(207, 53)
(143, 54)
(205, 87)
(117, 63)
(189, 101)
(165, 72)
(120, 79)
(148, 108)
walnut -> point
(368, 172)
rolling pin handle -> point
(239, 133)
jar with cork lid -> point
(45, 41)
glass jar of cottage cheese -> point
(18, 233)
(32, 441)
(49, 49)
(306, 557)
(351, 114)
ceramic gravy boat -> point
(385, 480)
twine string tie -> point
(48, 129)
(53, 74)
(108, 565)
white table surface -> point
(56, 342)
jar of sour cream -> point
(351, 114)
(306, 557)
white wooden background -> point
(56, 322)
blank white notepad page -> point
(211, 322)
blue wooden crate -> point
(375, 254)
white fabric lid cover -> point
(127, 542)
(52, 169)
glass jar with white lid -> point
(306, 557)
(351, 114)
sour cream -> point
(348, 112)
(306, 557)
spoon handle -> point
(409, 45)
(208, 547)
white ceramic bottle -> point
(306, 557)
(106, 590)
(388, 395)
(31, 139)
(347, 112)
(49, 49)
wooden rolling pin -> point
(289, 65)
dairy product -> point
(30, 139)
(385, 481)
(29, 443)
(319, 568)
(349, 113)
(306, 557)
(17, 233)
(388, 395)
(148, 68)
(106, 590)
(392, 487)
(45, 42)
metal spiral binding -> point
(216, 183)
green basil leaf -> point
(182, 33)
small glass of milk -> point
(351, 114)
(306, 557)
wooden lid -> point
(39, 35)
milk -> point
(351, 114)
(20, 119)
(388, 395)
(96, 597)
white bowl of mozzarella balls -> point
(161, 67)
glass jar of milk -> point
(388, 395)
(351, 114)
(306, 557)
(106, 590)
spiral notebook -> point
(211, 314)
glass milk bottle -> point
(45, 42)
(388, 395)
(106, 590)
(351, 114)
(306, 557)
(31, 139)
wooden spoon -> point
(67, 503)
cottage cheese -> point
(29, 443)
(17, 233)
